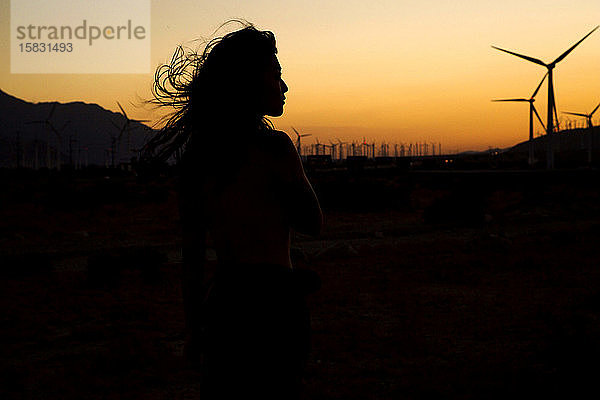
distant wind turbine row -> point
(552, 113)
(590, 125)
(342, 150)
(587, 116)
(58, 132)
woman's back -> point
(249, 216)
(257, 321)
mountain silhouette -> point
(568, 140)
(86, 136)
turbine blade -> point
(539, 86)
(511, 100)
(578, 114)
(123, 111)
(51, 111)
(572, 113)
(139, 120)
(592, 113)
(563, 55)
(298, 134)
(533, 60)
(538, 116)
(53, 128)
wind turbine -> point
(332, 147)
(341, 144)
(364, 148)
(551, 99)
(532, 111)
(317, 146)
(116, 140)
(50, 127)
(590, 126)
(298, 136)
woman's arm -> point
(304, 211)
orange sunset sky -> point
(394, 70)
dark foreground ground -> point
(476, 285)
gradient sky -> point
(394, 70)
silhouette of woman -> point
(241, 186)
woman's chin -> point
(275, 113)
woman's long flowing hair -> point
(212, 93)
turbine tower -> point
(551, 99)
(364, 148)
(341, 144)
(532, 110)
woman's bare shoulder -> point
(280, 143)
(278, 137)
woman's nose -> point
(284, 87)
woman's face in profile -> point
(274, 88)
